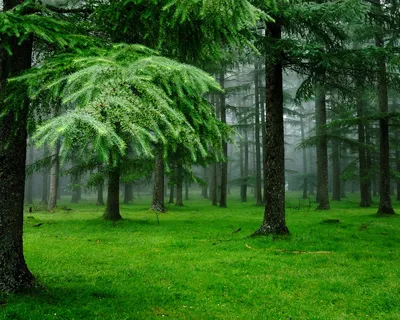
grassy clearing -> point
(194, 266)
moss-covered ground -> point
(197, 264)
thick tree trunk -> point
(274, 214)
(112, 207)
(322, 150)
(385, 203)
(14, 273)
(179, 183)
(258, 189)
(158, 187)
(305, 179)
(335, 171)
(76, 189)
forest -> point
(199, 159)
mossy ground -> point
(194, 266)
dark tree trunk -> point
(179, 183)
(311, 162)
(128, 192)
(397, 137)
(171, 193)
(205, 187)
(343, 153)
(335, 171)
(112, 207)
(263, 142)
(54, 178)
(245, 176)
(305, 179)
(385, 203)
(213, 184)
(362, 155)
(158, 187)
(29, 184)
(258, 190)
(274, 214)
(14, 273)
(186, 190)
(45, 179)
(100, 197)
(76, 189)
(322, 150)
(369, 159)
(224, 164)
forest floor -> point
(197, 264)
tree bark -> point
(322, 150)
(205, 187)
(14, 273)
(45, 179)
(100, 197)
(274, 214)
(128, 192)
(54, 178)
(335, 171)
(112, 207)
(224, 164)
(258, 190)
(385, 202)
(305, 179)
(158, 187)
(29, 184)
(179, 183)
(362, 155)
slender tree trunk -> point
(171, 193)
(274, 214)
(311, 162)
(362, 155)
(369, 159)
(224, 164)
(335, 170)
(112, 207)
(305, 179)
(128, 192)
(186, 190)
(258, 190)
(322, 150)
(76, 189)
(343, 153)
(213, 185)
(100, 197)
(385, 203)
(158, 187)
(205, 187)
(45, 179)
(14, 273)
(179, 183)
(29, 184)
(264, 143)
(54, 177)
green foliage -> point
(125, 92)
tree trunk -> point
(362, 155)
(29, 184)
(335, 171)
(171, 193)
(322, 150)
(258, 189)
(186, 190)
(263, 143)
(343, 154)
(45, 179)
(158, 187)
(179, 183)
(100, 197)
(245, 167)
(128, 192)
(224, 164)
(205, 187)
(274, 214)
(112, 207)
(305, 179)
(385, 203)
(76, 189)
(14, 273)
(54, 178)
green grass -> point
(191, 265)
